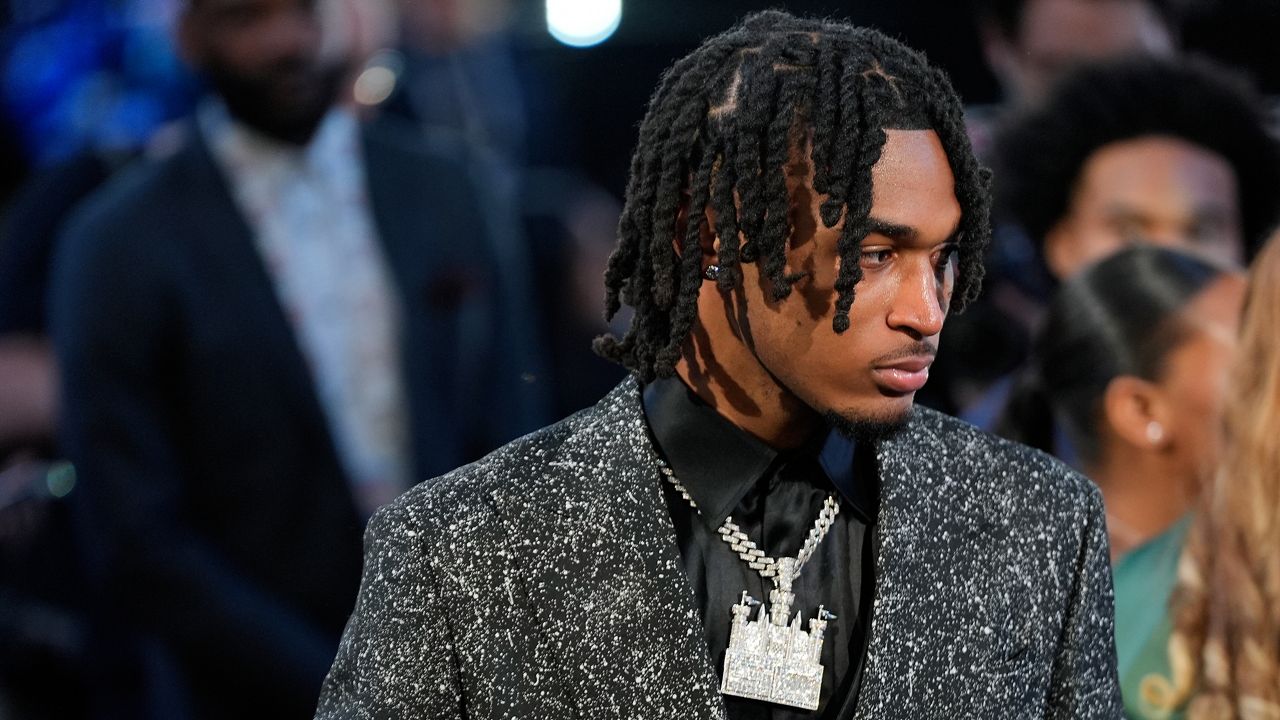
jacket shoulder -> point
(1010, 470)
(127, 214)
(141, 186)
(440, 503)
(119, 246)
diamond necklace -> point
(772, 661)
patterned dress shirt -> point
(308, 208)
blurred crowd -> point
(264, 264)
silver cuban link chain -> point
(752, 555)
(772, 659)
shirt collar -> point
(718, 462)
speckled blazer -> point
(515, 588)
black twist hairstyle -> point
(720, 128)
(1039, 154)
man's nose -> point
(919, 307)
(294, 34)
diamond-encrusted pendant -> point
(769, 659)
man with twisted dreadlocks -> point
(758, 524)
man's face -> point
(263, 58)
(1153, 189)
(1054, 35)
(869, 374)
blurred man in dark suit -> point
(264, 337)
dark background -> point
(584, 103)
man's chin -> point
(289, 111)
(864, 426)
(289, 125)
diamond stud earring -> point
(712, 272)
(1155, 432)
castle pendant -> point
(769, 659)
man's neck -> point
(217, 114)
(764, 410)
(721, 368)
(296, 141)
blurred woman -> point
(1225, 649)
(1126, 380)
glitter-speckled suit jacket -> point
(514, 587)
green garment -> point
(1144, 579)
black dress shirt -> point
(774, 496)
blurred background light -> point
(583, 23)
(61, 479)
(379, 78)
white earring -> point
(1155, 432)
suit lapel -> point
(397, 206)
(934, 609)
(617, 630)
(237, 286)
(439, 264)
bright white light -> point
(583, 23)
(375, 85)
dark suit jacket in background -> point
(215, 507)
(545, 582)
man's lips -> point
(905, 375)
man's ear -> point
(1137, 412)
(708, 238)
(708, 241)
(1061, 253)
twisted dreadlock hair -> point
(720, 128)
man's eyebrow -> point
(1215, 212)
(901, 233)
(893, 231)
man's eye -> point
(1206, 230)
(946, 257)
(875, 258)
